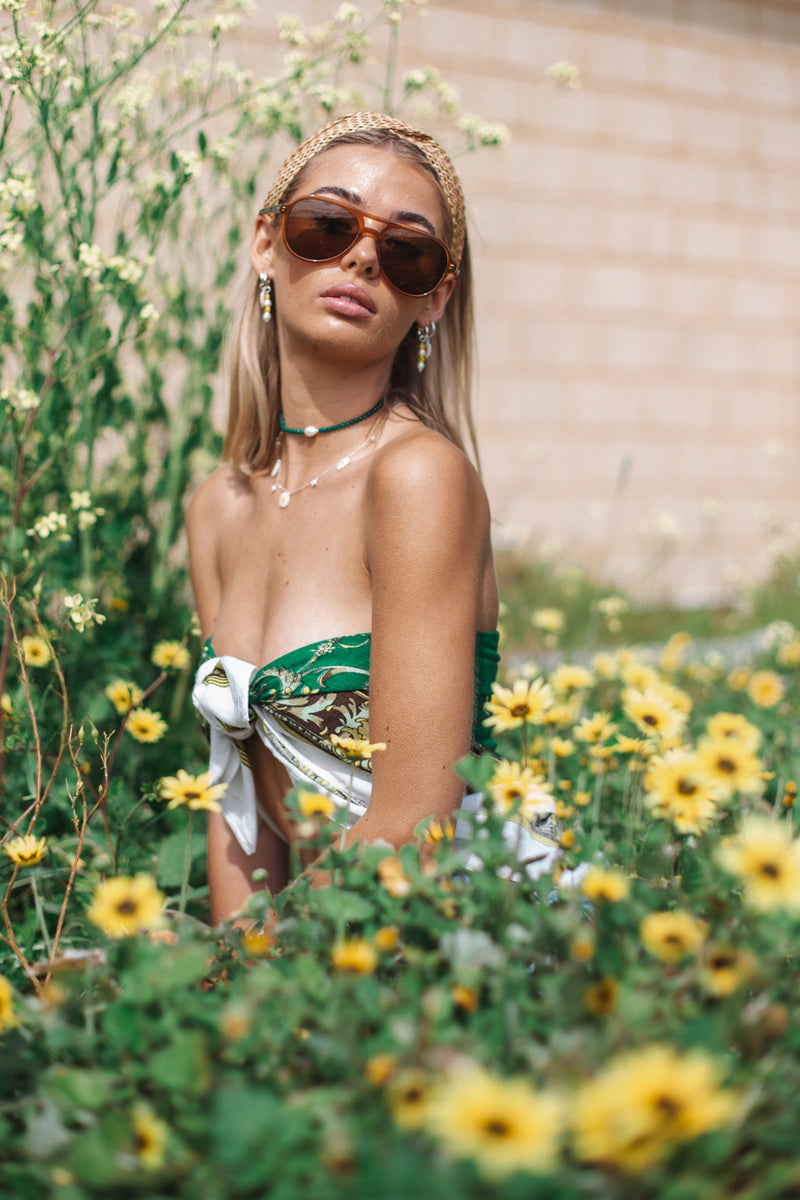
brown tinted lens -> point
(412, 262)
(320, 230)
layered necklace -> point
(284, 493)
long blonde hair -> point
(441, 395)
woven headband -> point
(361, 122)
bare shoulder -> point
(420, 477)
(219, 498)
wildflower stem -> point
(598, 792)
(37, 900)
(187, 863)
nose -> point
(363, 254)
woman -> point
(345, 541)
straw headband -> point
(362, 122)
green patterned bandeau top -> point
(323, 688)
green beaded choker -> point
(311, 431)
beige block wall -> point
(637, 251)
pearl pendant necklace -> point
(285, 494)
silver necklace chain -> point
(285, 494)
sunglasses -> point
(319, 230)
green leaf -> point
(159, 970)
(182, 1066)
(72, 1089)
(342, 906)
(172, 856)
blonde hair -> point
(441, 395)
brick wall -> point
(638, 253)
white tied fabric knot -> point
(221, 696)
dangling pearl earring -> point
(424, 335)
(265, 296)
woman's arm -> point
(427, 551)
(201, 530)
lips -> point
(349, 300)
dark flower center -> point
(497, 1127)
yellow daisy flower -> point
(676, 696)
(26, 850)
(678, 789)
(631, 745)
(645, 1102)
(513, 785)
(393, 877)
(672, 936)
(523, 704)
(639, 676)
(125, 905)
(465, 997)
(386, 939)
(653, 713)
(739, 678)
(355, 749)
(734, 726)
(193, 791)
(562, 716)
(583, 948)
(379, 1068)
(601, 884)
(549, 620)
(605, 665)
(766, 858)
(315, 804)
(5, 704)
(356, 955)
(732, 766)
(601, 998)
(235, 1021)
(674, 652)
(150, 1134)
(35, 650)
(597, 728)
(256, 942)
(788, 655)
(503, 1124)
(766, 688)
(124, 695)
(439, 831)
(562, 747)
(409, 1097)
(568, 678)
(170, 654)
(725, 969)
(145, 725)
(8, 1018)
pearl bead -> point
(310, 431)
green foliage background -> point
(131, 155)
